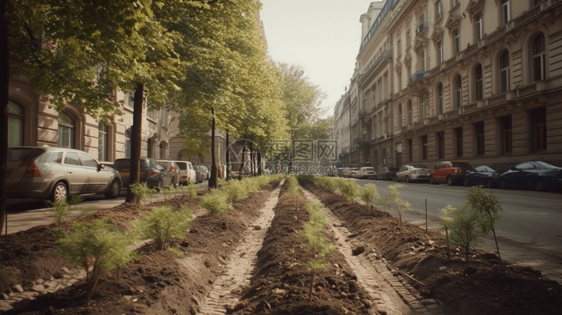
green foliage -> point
(75, 199)
(58, 210)
(215, 201)
(293, 184)
(236, 189)
(369, 194)
(175, 250)
(192, 190)
(143, 192)
(349, 189)
(162, 224)
(394, 201)
(97, 246)
(465, 221)
(446, 222)
(168, 192)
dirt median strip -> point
(482, 286)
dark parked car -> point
(486, 175)
(199, 173)
(387, 173)
(536, 175)
(151, 173)
(55, 173)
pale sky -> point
(323, 36)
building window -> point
(440, 99)
(454, 3)
(409, 113)
(479, 131)
(441, 145)
(458, 141)
(15, 124)
(421, 25)
(423, 105)
(478, 26)
(504, 72)
(478, 83)
(424, 147)
(504, 12)
(439, 52)
(535, 3)
(538, 129)
(408, 39)
(66, 131)
(506, 134)
(422, 61)
(129, 100)
(102, 142)
(128, 143)
(438, 10)
(456, 41)
(400, 116)
(410, 150)
(538, 62)
(149, 148)
(399, 81)
(457, 86)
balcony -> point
(373, 68)
(417, 76)
(495, 34)
(527, 15)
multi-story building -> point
(477, 80)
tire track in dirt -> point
(238, 270)
(383, 297)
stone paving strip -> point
(237, 271)
(392, 295)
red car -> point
(450, 172)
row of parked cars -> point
(536, 175)
(55, 173)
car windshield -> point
(182, 166)
(122, 164)
(546, 165)
(393, 169)
(462, 165)
(419, 166)
(370, 169)
(24, 154)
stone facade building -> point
(477, 80)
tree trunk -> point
(213, 181)
(227, 156)
(136, 136)
(497, 246)
(4, 85)
(448, 244)
(467, 245)
(260, 167)
(311, 286)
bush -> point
(58, 210)
(394, 201)
(215, 201)
(465, 221)
(99, 246)
(369, 194)
(162, 224)
(446, 221)
(237, 189)
(349, 189)
(143, 192)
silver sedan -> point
(413, 173)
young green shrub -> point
(446, 221)
(162, 224)
(143, 192)
(215, 201)
(349, 189)
(463, 227)
(369, 194)
(75, 199)
(488, 205)
(237, 189)
(58, 210)
(312, 230)
(293, 184)
(394, 201)
(98, 246)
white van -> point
(186, 172)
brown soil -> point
(281, 281)
(482, 286)
(160, 282)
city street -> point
(529, 233)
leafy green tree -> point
(488, 205)
(394, 201)
(349, 189)
(97, 246)
(446, 221)
(369, 194)
(463, 227)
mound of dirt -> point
(481, 286)
(160, 282)
(282, 279)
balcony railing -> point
(470, 49)
(497, 99)
(527, 15)
(417, 76)
(496, 34)
(470, 107)
(527, 89)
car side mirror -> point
(101, 167)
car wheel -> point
(432, 181)
(60, 192)
(407, 179)
(450, 181)
(539, 186)
(488, 183)
(503, 184)
(114, 190)
(466, 182)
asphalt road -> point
(531, 216)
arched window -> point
(128, 143)
(478, 83)
(439, 99)
(102, 142)
(409, 113)
(457, 88)
(423, 106)
(15, 124)
(504, 72)
(66, 131)
(538, 58)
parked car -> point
(386, 173)
(412, 173)
(151, 173)
(186, 172)
(346, 172)
(199, 173)
(366, 172)
(55, 173)
(450, 172)
(353, 172)
(205, 171)
(173, 168)
(340, 171)
(486, 175)
(536, 175)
